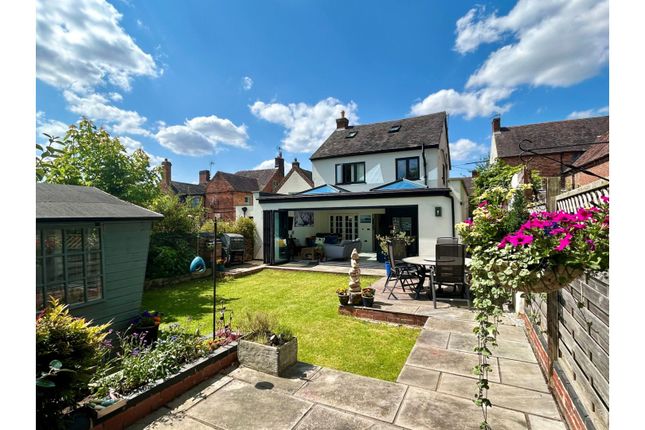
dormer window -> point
(394, 129)
(351, 134)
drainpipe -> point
(425, 164)
(452, 212)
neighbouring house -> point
(461, 191)
(297, 180)
(91, 252)
(227, 196)
(554, 144)
(367, 180)
(184, 190)
(594, 160)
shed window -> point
(68, 265)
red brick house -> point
(553, 144)
(594, 160)
(226, 194)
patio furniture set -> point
(447, 267)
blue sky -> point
(228, 82)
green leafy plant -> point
(368, 292)
(81, 346)
(401, 237)
(341, 291)
(263, 328)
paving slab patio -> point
(434, 391)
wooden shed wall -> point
(125, 254)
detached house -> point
(368, 180)
(547, 146)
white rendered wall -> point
(294, 184)
(379, 169)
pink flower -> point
(604, 199)
(579, 226)
(558, 230)
(591, 243)
(468, 221)
(564, 242)
(482, 204)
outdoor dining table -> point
(426, 264)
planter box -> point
(268, 359)
(140, 403)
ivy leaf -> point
(55, 364)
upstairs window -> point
(68, 265)
(350, 173)
(407, 168)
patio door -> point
(275, 233)
(344, 226)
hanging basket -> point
(550, 279)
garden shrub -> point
(243, 226)
(75, 344)
(170, 255)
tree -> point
(178, 217)
(89, 156)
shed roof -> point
(376, 137)
(551, 137)
(74, 202)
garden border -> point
(137, 406)
(383, 315)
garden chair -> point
(450, 269)
(400, 273)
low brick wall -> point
(381, 315)
(140, 405)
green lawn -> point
(303, 301)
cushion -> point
(332, 240)
(346, 242)
(320, 241)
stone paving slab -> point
(323, 417)
(539, 423)
(162, 419)
(290, 382)
(241, 406)
(198, 393)
(505, 348)
(419, 377)
(457, 362)
(359, 394)
(422, 409)
(521, 374)
(437, 339)
(519, 399)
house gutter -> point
(425, 164)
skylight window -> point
(351, 134)
(394, 129)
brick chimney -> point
(497, 124)
(279, 164)
(342, 122)
(204, 177)
(295, 163)
(166, 173)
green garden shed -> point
(91, 252)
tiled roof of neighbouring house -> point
(262, 176)
(74, 202)
(240, 182)
(597, 152)
(550, 137)
(186, 189)
(305, 174)
(376, 137)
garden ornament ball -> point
(197, 265)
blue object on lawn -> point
(197, 265)
(388, 268)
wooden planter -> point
(268, 359)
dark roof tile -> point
(239, 182)
(372, 138)
(262, 176)
(186, 189)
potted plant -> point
(399, 239)
(368, 296)
(146, 327)
(266, 347)
(343, 296)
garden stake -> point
(214, 277)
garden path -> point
(433, 391)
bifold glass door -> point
(275, 232)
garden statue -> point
(354, 280)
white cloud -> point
(247, 83)
(557, 43)
(115, 97)
(52, 127)
(270, 164)
(130, 144)
(202, 135)
(466, 149)
(96, 107)
(306, 126)
(80, 45)
(469, 104)
(589, 113)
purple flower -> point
(591, 243)
(135, 351)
